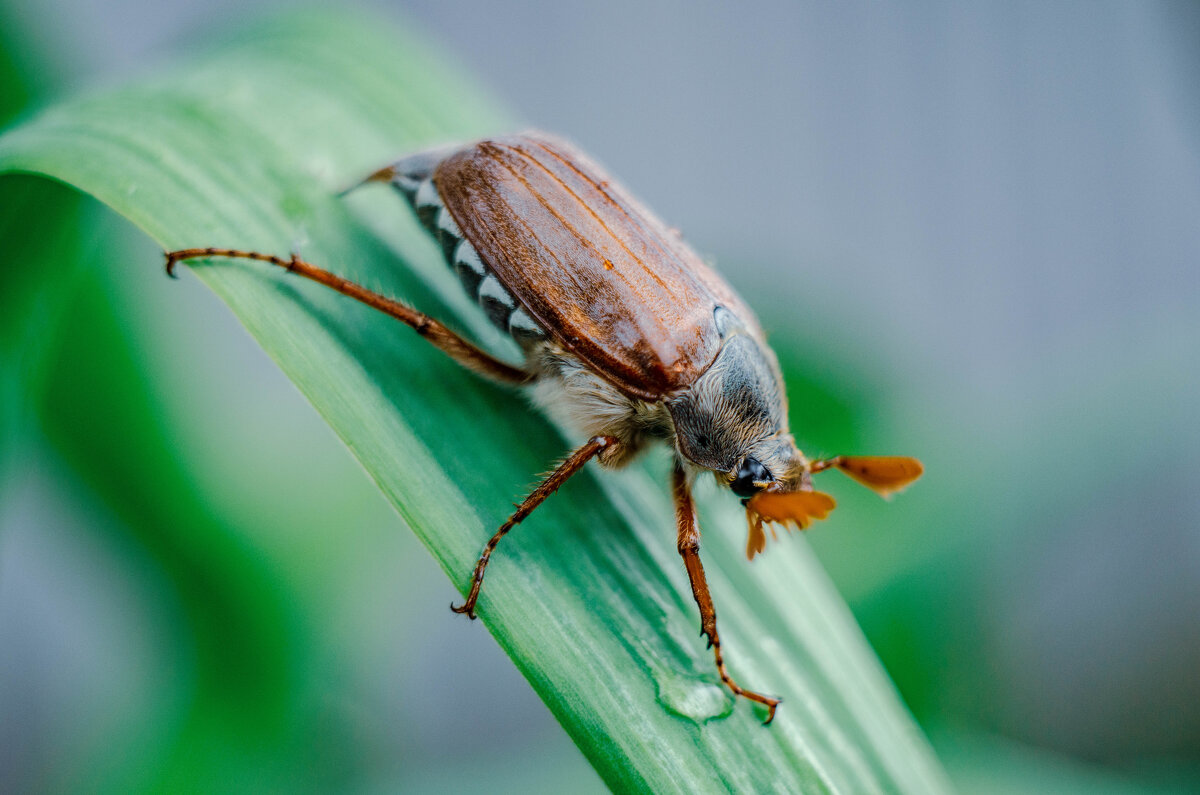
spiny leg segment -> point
(459, 349)
(688, 543)
(551, 484)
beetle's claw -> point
(172, 259)
(772, 704)
(468, 610)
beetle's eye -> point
(750, 472)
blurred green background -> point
(972, 233)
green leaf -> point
(247, 148)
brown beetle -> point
(627, 335)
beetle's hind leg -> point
(551, 484)
(459, 349)
(689, 549)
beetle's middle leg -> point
(459, 349)
(689, 548)
(551, 484)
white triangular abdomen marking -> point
(466, 256)
(427, 195)
(520, 324)
(493, 290)
(447, 224)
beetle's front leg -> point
(551, 484)
(688, 542)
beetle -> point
(627, 337)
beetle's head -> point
(774, 481)
(733, 421)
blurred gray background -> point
(991, 210)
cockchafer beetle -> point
(627, 336)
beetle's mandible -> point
(627, 336)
